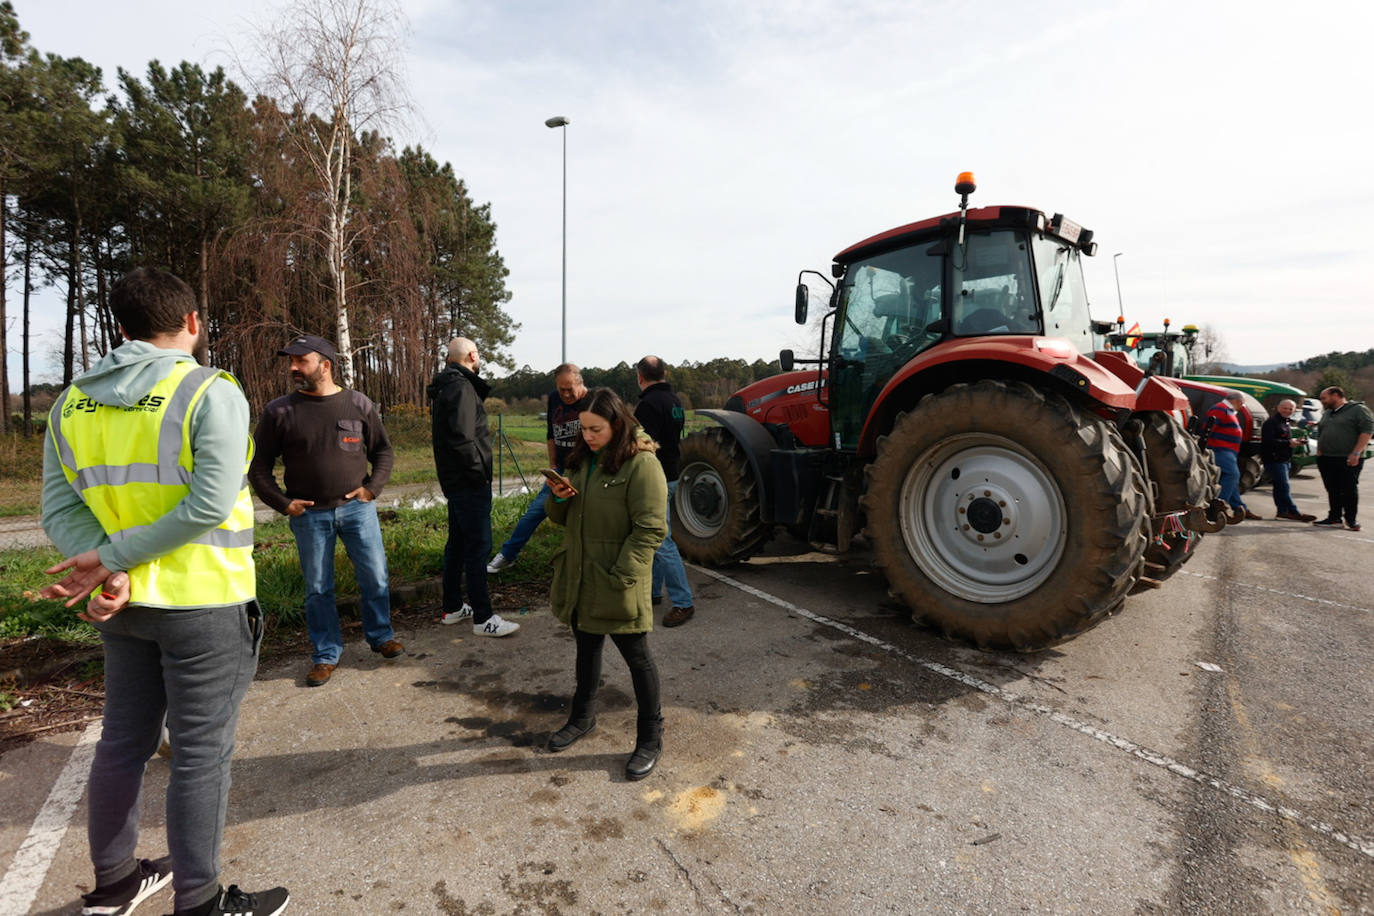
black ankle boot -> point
(648, 747)
(568, 735)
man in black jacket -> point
(462, 456)
(1276, 451)
(660, 414)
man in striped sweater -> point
(1224, 438)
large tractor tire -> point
(1251, 472)
(1005, 516)
(716, 512)
(1184, 475)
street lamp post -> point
(563, 122)
(1119, 310)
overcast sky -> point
(717, 148)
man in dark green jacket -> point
(1341, 440)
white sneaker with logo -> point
(498, 563)
(458, 616)
(495, 626)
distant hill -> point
(1234, 369)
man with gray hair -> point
(462, 456)
(1276, 451)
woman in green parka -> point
(612, 511)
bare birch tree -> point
(335, 67)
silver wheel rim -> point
(982, 518)
(701, 504)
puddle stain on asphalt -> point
(694, 809)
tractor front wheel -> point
(716, 512)
(1005, 516)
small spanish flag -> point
(1133, 336)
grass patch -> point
(414, 541)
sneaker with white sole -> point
(498, 563)
(235, 902)
(495, 625)
(121, 897)
(458, 616)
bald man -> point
(462, 456)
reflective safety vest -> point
(132, 465)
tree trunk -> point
(24, 352)
(4, 323)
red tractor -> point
(1013, 485)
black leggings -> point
(634, 648)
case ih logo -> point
(804, 386)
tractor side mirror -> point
(803, 299)
(785, 360)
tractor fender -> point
(1053, 356)
(758, 447)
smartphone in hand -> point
(556, 478)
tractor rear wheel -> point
(1005, 516)
(1251, 471)
(1184, 475)
(716, 512)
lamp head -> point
(559, 121)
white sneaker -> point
(465, 613)
(498, 563)
(495, 626)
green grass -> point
(414, 540)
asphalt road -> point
(1208, 750)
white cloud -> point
(717, 148)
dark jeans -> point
(634, 648)
(1342, 484)
(469, 543)
(192, 665)
(1283, 493)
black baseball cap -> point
(308, 343)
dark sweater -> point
(661, 415)
(325, 445)
(1276, 440)
(459, 428)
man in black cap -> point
(327, 437)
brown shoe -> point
(390, 649)
(678, 616)
(1253, 517)
(319, 675)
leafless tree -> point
(1210, 351)
(335, 68)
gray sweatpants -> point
(192, 666)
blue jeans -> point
(192, 665)
(668, 568)
(465, 554)
(1283, 493)
(524, 529)
(1230, 477)
(354, 523)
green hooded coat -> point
(612, 526)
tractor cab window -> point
(992, 286)
(890, 309)
(889, 301)
(1062, 293)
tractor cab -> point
(991, 272)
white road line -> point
(1362, 845)
(30, 866)
(1275, 591)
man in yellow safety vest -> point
(144, 493)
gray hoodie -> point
(219, 449)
